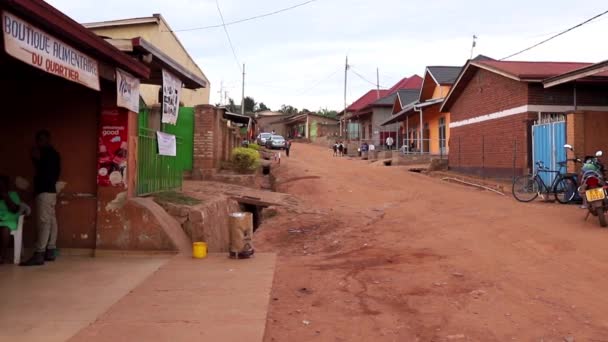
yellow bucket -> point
(199, 250)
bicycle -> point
(528, 187)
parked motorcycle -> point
(593, 188)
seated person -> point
(9, 215)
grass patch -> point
(175, 197)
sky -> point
(297, 57)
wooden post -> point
(241, 235)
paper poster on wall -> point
(113, 143)
(127, 91)
(167, 144)
(41, 50)
(172, 87)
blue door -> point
(548, 146)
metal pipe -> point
(421, 138)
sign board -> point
(172, 87)
(113, 144)
(167, 144)
(127, 91)
(35, 47)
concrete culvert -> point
(266, 170)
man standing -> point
(390, 142)
(47, 165)
(287, 147)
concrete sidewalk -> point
(53, 302)
(215, 299)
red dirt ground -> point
(381, 254)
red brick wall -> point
(563, 95)
(493, 148)
(206, 136)
(596, 128)
(213, 140)
(486, 93)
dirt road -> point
(382, 254)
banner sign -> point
(171, 88)
(127, 91)
(113, 144)
(167, 144)
(43, 51)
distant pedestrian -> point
(389, 142)
(335, 147)
(340, 149)
(287, 147)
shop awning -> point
(157, 60)
(237, 118)
(55, 22)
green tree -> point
(328, 113)
(249, 104)
(232, 107)
(262, 107)
(287, 109)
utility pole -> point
(221, 92)
(243, 92)
(377, 82)
(345, 128)
(473, 45)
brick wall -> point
(486, 93)
(206, 137)
(596, 126)
(563, 95)
(213, 141)
(495, 148)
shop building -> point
(58, 76)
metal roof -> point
(139, 47)
(407, 96)
(444, 75)
(54, 21)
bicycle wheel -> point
(565, 190)
(525, 188)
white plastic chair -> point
(24, 210)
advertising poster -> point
(127, 91)
(39, 49)
(113, 143)
(167, 144)
(172, 87)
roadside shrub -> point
(254, 147)
(245, 160)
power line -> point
(557, 35)
(236, 59)
(316, 84)
(363, 78)
(247, 19)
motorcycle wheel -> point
(601, 215)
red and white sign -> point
(113, 144)
(43, 51)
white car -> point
(276, 141)
(262, 138)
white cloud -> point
(287, 54)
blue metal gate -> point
(548, 141)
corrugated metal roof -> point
(445, 75)
(412, 82)
(533, 70)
